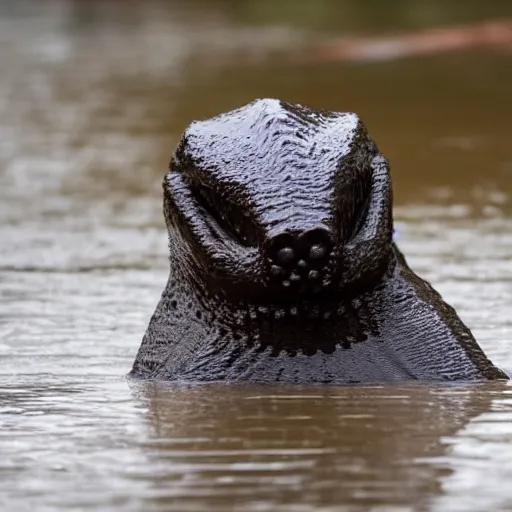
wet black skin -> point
(283, 266)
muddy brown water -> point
(93, 97)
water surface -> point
(93, 98)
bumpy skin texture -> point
(283, 266)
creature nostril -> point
(281, 249)
(285, 256)
(298, 260)
(317, 244)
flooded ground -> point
(93, 97)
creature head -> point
(278, 202)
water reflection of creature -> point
(224, 447)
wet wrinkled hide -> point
(283, 267)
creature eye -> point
(360, 207)
(230, 218)
(352, 210)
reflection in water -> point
(93, 96)
(468, 463)
(313, 446)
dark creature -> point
(283, 265)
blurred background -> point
(94, 95)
